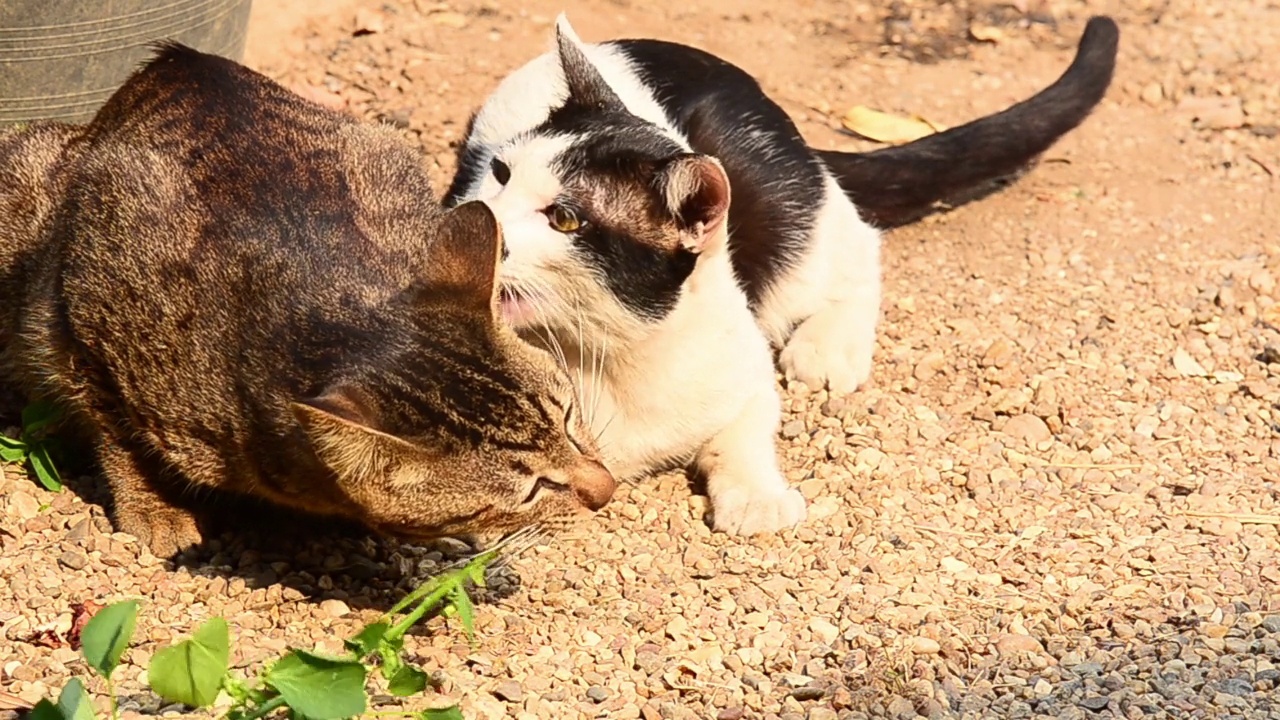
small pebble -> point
(597, 694)
(1097, 702)
(509, 691)
(808, 692)
(335, 608)
(73, 560)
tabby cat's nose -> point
(593, 484)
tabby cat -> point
(234, 289)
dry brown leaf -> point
(82, 613)
(886, 128)
(986, 33)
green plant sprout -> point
(305, 684)
(32, 448)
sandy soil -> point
(1067, 457)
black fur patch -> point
(610, 179)
(775, 181)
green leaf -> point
(107, 634)
(236, 688)
(318, 687)
(45, 472)
(450, 713)
(191, 672)
(391, 662)
(475, 569)
(45, 710)
(8, 442)
(37, 416)
(368, 639)
(13, 454)
(74, 702)
(408, 680)
(466, 612)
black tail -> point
(896, 185)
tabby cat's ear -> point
(464, 258)
(343, 431)
(587, 87)
(696, 189)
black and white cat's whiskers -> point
(588, 400)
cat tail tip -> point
(896, 185)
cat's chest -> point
(655, 414)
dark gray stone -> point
(1095, 703)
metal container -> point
(61, 59)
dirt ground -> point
(1067, 455)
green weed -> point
(301, 684)
(32, 449)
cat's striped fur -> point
(235, 289)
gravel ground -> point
(1058, 499)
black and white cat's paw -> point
(747, 510)
(832, 351)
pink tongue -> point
(515, 310)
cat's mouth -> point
(518, 307)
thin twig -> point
(1245, 518)
(948, 531)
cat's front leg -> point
(834, 347)
(140, 509)
(748, 493)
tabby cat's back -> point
(32, 159)
(242, 290)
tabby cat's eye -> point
(540, 485)
(501, 171)
(568, 431)
(563, 219)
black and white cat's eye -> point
(543, 484)
(501, 171)
(563, 219)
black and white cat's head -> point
(605, 215)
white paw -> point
(823, 354)
(747, 510)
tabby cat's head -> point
(458, 427)
(607, 215)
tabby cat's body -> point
(235, 289)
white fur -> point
(525, 98)
(834, 295)
(698, 386)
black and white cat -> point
(611, 167)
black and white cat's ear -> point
(587, 88)
(463, 260)
(696, 190)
